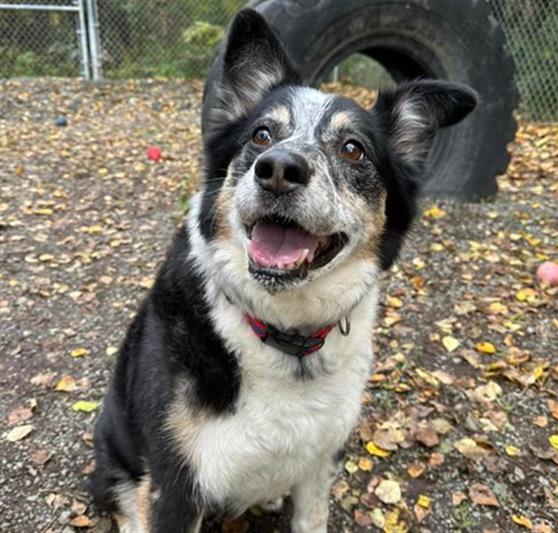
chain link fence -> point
(176, 38)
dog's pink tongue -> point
(274, 245)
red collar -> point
(290, 343)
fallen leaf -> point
(89, 468)
(351, 467)
(19, 414)
(553, 439)
(522, 521)
(85, 406)
(450, 343)
(416, 470)
(81, 521)
(420, 512)
(436, 459)
(441, 425)
(40, 456)
(362, 519)
(424, 501)
(66, 384)
(79, 352)
(372, 449)
(497, 308)
(365, 464)
(435, 213)
(43, 380)
(540, 421)
(469, 448)
(388, 491)
(340, 488)
(394, 302)
(443, 377)
(482, 495)
(527, 295)
(512, 451)
(542, 528)
(487, 393)
(19, 432)
(485, 347)
(457, 497)
(553, 407)
(427, 436)
(111, 350)
(378, 518)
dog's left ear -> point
(254, 63)
(414, 112)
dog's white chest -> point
(277, 434)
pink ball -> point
(154, 153)
(548, 273)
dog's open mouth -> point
(281, 248)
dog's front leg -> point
(311, 500)
(176, 510)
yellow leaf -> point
(79, 352)
(111, 350)
(485, 347)
(512, 451)
(42, 211)
(450, 343)
(351, 467)
(91, 229)
(496, 308)
(434, 212)
(538, 372)
(522, 521)
(553, 439)
(436, 247)
(66, 384)
(428, 377)
(424, 501)
(85, 406)
(372, 449)
(394, 302)
(365, 464)
(526, 295)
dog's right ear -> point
(254, 63)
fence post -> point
(94, 40)
(82, 40)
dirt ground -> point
(459, 425)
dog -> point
(240, 378)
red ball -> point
(548, 273)
(154, 153)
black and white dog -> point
(240, 378)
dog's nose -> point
(281, 171)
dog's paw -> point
(273, 506)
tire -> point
(455, 40)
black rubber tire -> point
(447, 39)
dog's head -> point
(302, 184)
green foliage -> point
(359, 69)
(152, 38)
(161, 38)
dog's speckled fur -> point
(201, 416)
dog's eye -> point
(352, 151)
(262, 136)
